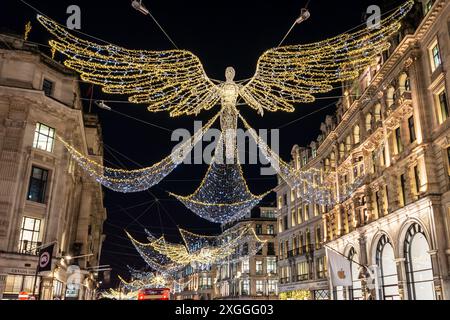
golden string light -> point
(127, 181)
(204, 251)
(223, 195)
(175, 80)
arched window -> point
(348, 144)
(377, 112)
(388, 278)
(419, 270)
(356, 289)
(327, 165)
(404, 83)
(342, 150)
(333, 160)
(390, 97)
(368, 122)
(356, 134)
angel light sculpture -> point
(175, 81)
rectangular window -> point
(293, 218)
(18, 283)
(47, 87)
(270, 229)
(30, 236)
(318, 238)
(259, 287)
(417, 179)
(245, 287)
(306, 212)
(443, 106)
(38, 185)
(272, 265)
(435, 56)
(259, 230)
(259, 267)
(280, 202)
(412, 130)
(285, 222)
(402, 190)
(44, 137)
(270, 249)
(321, 268)
(272, 287)
(246, 266)
(398, 140)
(302, 271)
(300, 215)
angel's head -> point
(230, 73)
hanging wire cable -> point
(164, 31)
(292, 27)
(306, 116)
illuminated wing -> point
(293, 74)
(172, 81)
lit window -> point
(44, 137)
(272, 265)
(348, 144)
(38, 185)
(30, 236)
(299, 216)
(270, 229)
(18, 283)
(259, 267)
(368, 122)
(356, 135)
(377, 113)
(47, 87)
(245, 287)
(302, 271)
(435, 56)
(246, 266)
(259, 287)
(293, 218)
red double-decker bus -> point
(154, 294)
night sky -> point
(221, 33)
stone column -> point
(402, 279)
(436, 274)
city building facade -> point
(44, 197)
(250, 275)
(195, 284)
(386, 156)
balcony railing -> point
(29, 247)
(284, 280)
(303, 277)
(302, 251)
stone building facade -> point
(44, 197)
(249, 276)
(386, 154)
